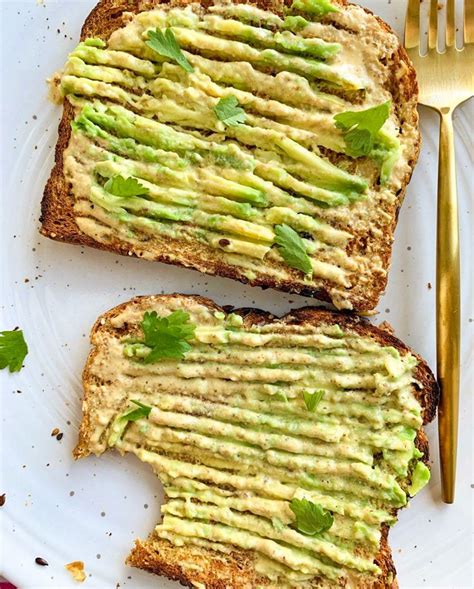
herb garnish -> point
(135, 414)
(312, 400)
(167, 336)
(292, 249)
(229, 111)
(120, 423)
(13, 349)
(120, 186)
(165, 44)
(360, 127)
(311, 518)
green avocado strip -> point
(286, 41)
(251, 35)
(169, 111)
(259, 483)
(126, 146)
(110, 75)
(343, 529)
(201, 178)
(195, 40)
(125, 123)
(261, 526)
(156, 210)
(109, 57)
(236, 50)
(295, 558)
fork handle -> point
(447, 306)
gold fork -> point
(446, 80)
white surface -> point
(53, 505)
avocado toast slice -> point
(262, 142)
(285, 445)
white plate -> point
(94, 509)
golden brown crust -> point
(57, 216)
(191, 565)
(230, 571)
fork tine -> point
(451, 23)
(468, 21)
(412, 24)
(433, 25)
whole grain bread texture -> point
(57, 211)
(201, 567)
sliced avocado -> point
(286, 41)
(314, 7)
(420, 477)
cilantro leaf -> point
(311, 518)
(280, 396)
(292, 249)
(167, 336)
(120, 423)
(13, 350)
(312, 400)
(120, 186)
(165, 44)
(316, 7)
(361, 127)
(229, 112)
(136, 414)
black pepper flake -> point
(3, 499)
(60, 436)
(41, 561)
(224, 242)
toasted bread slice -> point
(231, 431)
(290, 140)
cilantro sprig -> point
(126, 187)
(165, 44)
(229, 111)
(312, 400)
(361, 127)
(292, 249)
(311, 518)
(142, 411)
(167, 336)
(13, 350)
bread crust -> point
(193, 565)
(57, 214)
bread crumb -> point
(385, 325)
(76, 568)
(54, 88)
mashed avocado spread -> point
(293, 441)
(226, 117)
